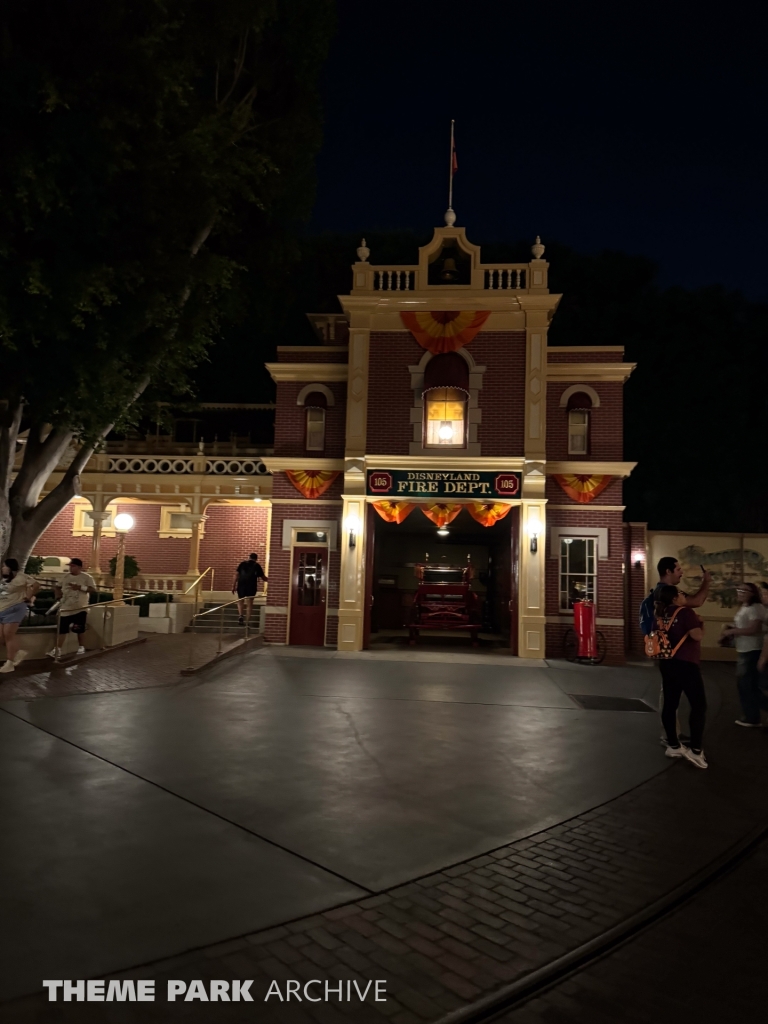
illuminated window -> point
(578, 570)
(445, 397)
(82, 524)
(579, 410)
(315, 405)
(446, 416)
(176, 522)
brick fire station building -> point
(435, 422)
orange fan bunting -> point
(444, 330)
(582, 488)
(394, 511)
(487, 513)
(311, 482)
(441, 514)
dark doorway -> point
(392, 582)
(308, 597)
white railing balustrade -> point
(505, 278)
(217, 467)
(394, 279)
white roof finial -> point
(450, 217)
(363, 252)
(537, 249)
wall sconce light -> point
(534, 542)
(353, 528)
(638, 563)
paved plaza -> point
(446, 821)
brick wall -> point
(231, 533)
(610, 579)
(276, 630)
(606, 428)
(290, 422)
(390, 396)
(502, 398)
(636, 550)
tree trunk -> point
(10, 421)
(29, 516)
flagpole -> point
(450, 172)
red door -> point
(308, 594)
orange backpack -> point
(657, 643)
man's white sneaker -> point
(81, 649)
(674, 752)
(698, 759)
(20, 656)
(747, 725)
(55, 653)
(8, 667)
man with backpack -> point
(670, 573)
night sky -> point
(634, 127)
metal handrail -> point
(200, 578)
(96, 604)
(210, 611)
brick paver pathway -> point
(157, 662)
(446, 939)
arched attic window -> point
(446, 396)
(315, 405)
(579, 412)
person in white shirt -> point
(747, 633)
(17, 592)
(73, 594)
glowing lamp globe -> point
(446, 432)
(124, 522)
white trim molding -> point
(584, 468)
(600, 532)
(616, 372)
(329, 526)
(310, 388)
(585, 389)
(329, 372)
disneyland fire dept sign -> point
(438, 483)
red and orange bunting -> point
(444, 330)
(582, 488)
(441, 514)
(394, 511)
(311, 482)
(487, 513)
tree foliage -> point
(138, 139)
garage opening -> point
(398, 597)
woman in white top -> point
(16, 593)
(747, 633)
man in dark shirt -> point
(246, 584)
(671, 572)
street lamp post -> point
(123, 523)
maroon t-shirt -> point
(689, 650)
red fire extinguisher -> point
(584, 624)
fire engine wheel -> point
(570, 645)
(571, 648)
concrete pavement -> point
(278, 787)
